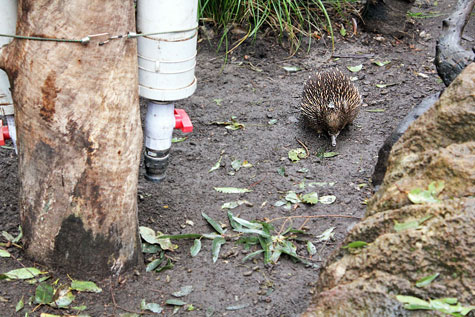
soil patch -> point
(255, 88)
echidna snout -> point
(330, 101)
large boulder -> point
(439, 236)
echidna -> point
(330, 101)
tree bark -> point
(386, 16)
(450, 57)
(79, 135)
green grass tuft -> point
(290, 19)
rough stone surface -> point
(439, 146)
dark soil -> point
(255, 88)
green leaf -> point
(326, 235)
(19, 236)
(175, 302)
(216, 165)
(148, 235)
(355, 69)
(420, 196)
(426, 280)
(436, 187)
(327, 200)
(217, 243)
(261, 233)
(297, 154)
(343, 31)
(154, 264)
(310, 198)
(355, 244)
(44, 293)
(380, 63)
(414, 301)
(281, 171)
(280, 203)
(150, 248)
(85, 286)
(190, 307)
(79, 308)
(265, 245)
(167, 266)
(252, 255)
(7, 236)
(154, 308)
(375, 110)
(4, 253)
(236, 165)
(164, 242)
(218, 101)
(21, 274)
(292, 197)
(177, 140)
(244, 222)
(311, 248)
(195, 249)
(213, 223)
(248, 241)
(19, 306)
(232, 190)
(398, 227)
(182, 236)
(234, 204)
(291, 69)
(64, 297)
(272, 121)
(330, 154)
(185, 290)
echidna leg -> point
(333, 137)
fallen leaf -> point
(355, 69)
(355, 245)
(380, 63)
(426, 280)
(326, 235)
(297, 154)
(292, 69)
(85, 286)
(232, 190)
(310, 198)
(327, 200)
(185, 290)
(216, 165)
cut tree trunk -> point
(450, 57)
(79, 135)
(386, 17)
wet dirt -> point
(254, 87)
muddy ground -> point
(255, 88)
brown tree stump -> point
(79, 135)
(386, 17)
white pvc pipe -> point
(159, 125)
(8, 17)
(167, 61)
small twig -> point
(256, 183)
(304, 223)
(353, 56)
(315, 216)
(305, 147)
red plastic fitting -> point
(4, 134)
(182, 121)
